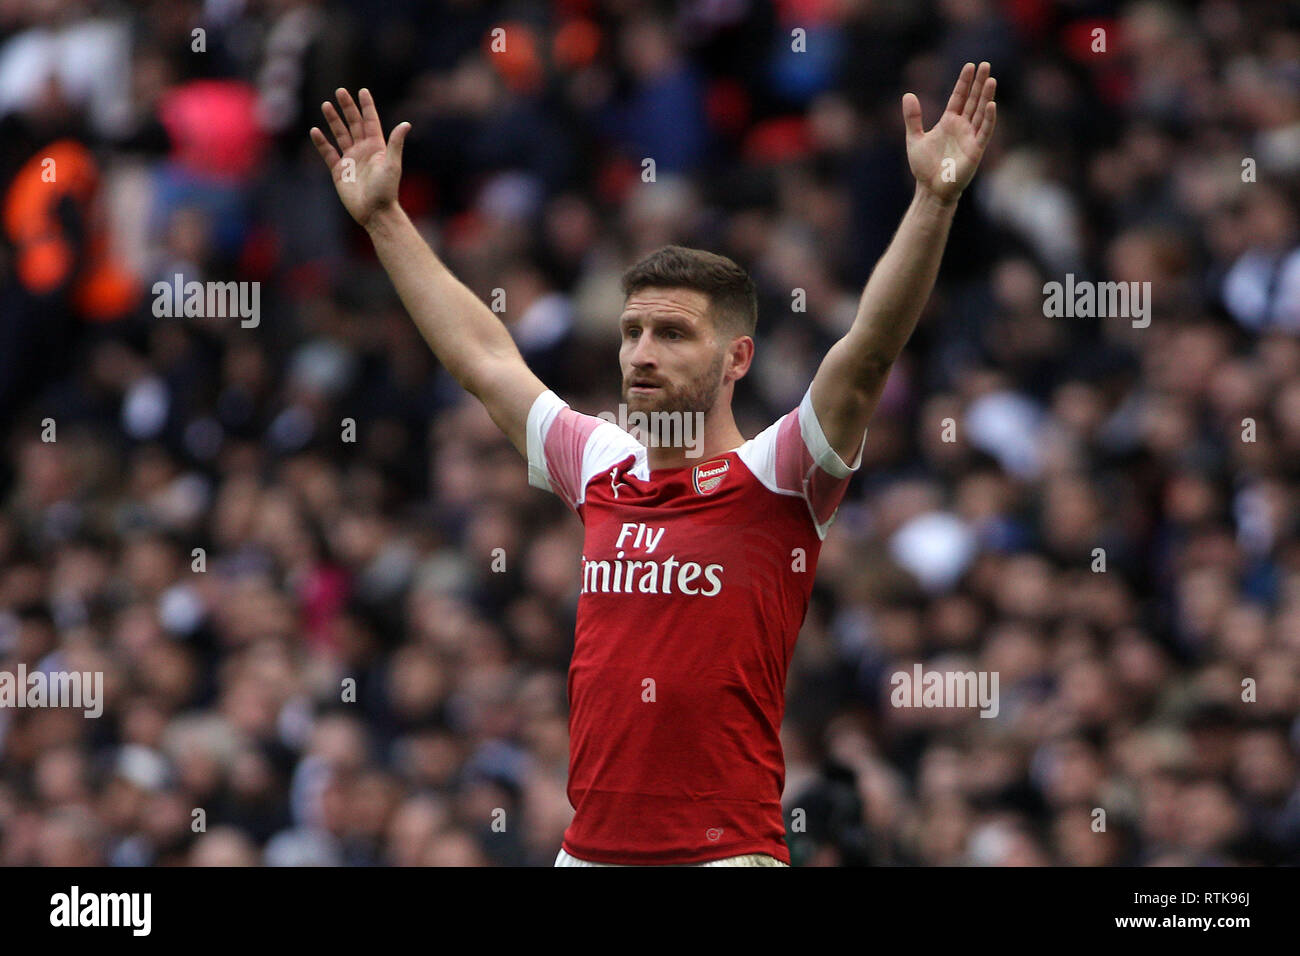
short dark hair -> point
(733, 301)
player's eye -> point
(631, 332)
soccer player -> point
(697, 563)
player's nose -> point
(643, 355)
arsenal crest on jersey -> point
(709, 475)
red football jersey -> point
(695, 584)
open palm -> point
(944, 159)
(367, 173)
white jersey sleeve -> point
(566, 449)
(792, 457)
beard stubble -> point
(697, 395)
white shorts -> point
(748, 859)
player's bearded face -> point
(696, 394)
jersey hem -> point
(673, 859)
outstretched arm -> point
(467, 337)
(849, 382)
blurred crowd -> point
(312, 651)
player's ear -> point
(740, 355)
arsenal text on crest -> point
(708, 476)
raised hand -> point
(960, 135)
(367, 174)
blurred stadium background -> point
(188, 153)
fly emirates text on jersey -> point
(652, 576)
